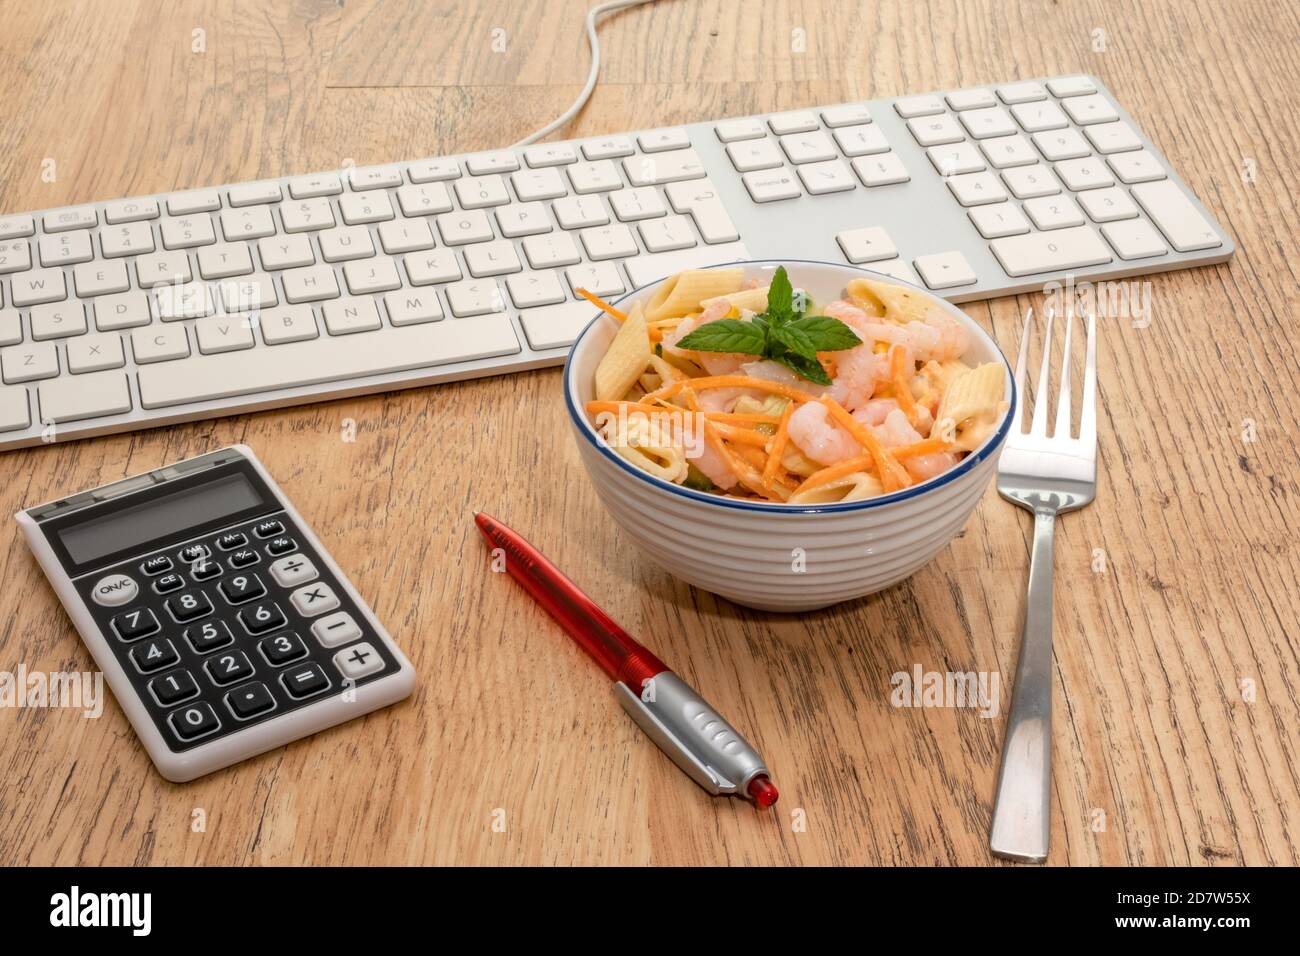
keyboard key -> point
(1060, 144)
(134, 624)
(670, 232)
(307, 215)
(123, 311)
(1026, 182)
(945, 270)
(188, 606)
(224, 260)
(15, 257)
(209, 636)
(799, 121)
(1134, 239)
(644, 269)
(971, 99)
(191, 300)
(936, 130)
(159, 344)
(154, 655)
(748, 155)
(360, 660)
(345, 243)
(926, 105)
(984, 123)
(530, 289)
(261, 618)
(608, 242)
(11, 327)
(174, 687)
(828, 177)
(16, 227)
(250, 700)
(492, 258)
(522, 219)
(424, 200)
(1001, 219)
(433, 170)
(374, 177)
(1176, 217)
(362, 208)
(956, 158)
(815, 147)
(312, 186)
(195, 721)
(229, 667)
(335, 629)
(771, 185)
(478, 192)
(29, 362)
(1028, 92)
(598, 278)
(1034, 117)
(66, 249)
(306, 680)
(661, 140)
(600, 176)
(312, 284)
(282, 649)
(861, 141)
(641, 202)
(498, 161)
(293, 323)
(1107, 205)
(730, 131)
(351, 314)
(194, 201)
(550, 154)
(459, 228)
(1139, 166)
(1054, 212)
(885, 169)
(866, 245)
(700, 198)
(1050, 252)
(372, 275)
(74, 217)
(14, 410)
(239, 588)
(475, 297)
(438, 265)
(57, 321)
(187, 232)
(251, 222)
(1094, 108)
(285, 252)
(1071, 86)
(611, 147)
(850, 114)
(127, 240)
(663, 168)
(1117, 137)
(83, 396)
(248, 295)
(895, 268)
(579, 212)
(556, 326)
(1090, 173)
(975, 189)
(95, 353)
(38, 286)
(313, 599)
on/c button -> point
(113, 590)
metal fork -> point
(1047, 476)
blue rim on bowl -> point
(964, 466)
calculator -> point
(221, 623)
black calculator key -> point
(168, 583)
(135, 623)
(228, 668)
(239, 588)
(209, 636)
(305, 681)
(261, 618)
(154, 655)
(242, 559)
(281, 546)
(231, 540)
(268, 529)
(204, 570)
(250, 700)
(174, 687)
(196, 720)
(195, 552)
(157, 565)
(188, 606)
(282, 649)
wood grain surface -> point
(1177, 594)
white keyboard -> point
(139, 312)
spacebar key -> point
(328, 359)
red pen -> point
(679, 720)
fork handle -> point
(1022, 809)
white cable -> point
(593, 42)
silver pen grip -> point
(687, 729)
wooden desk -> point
(1161, 756)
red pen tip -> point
(762, 791)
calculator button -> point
(168, 583)
(209, 636)
(357, 661)
(195, 552)
(135, 624)
(305, 681)
(335, 629)
(250, 700)
(242, 559)
(174, 687)
(197, 720)
(292, 570)
(205, 570)
(268, 529)
(280, 546)
(234, 539)
(242, 587)
(188, 606)
(312, 599)
(154, 655)
(228, 668)
(114, 590)
(282, 649)
(261, 618)
(157, 565)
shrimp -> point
(818, 438)
(700, 453)
(715, 363)
(875, 411)
(858, 372)
(851, 316)
(938, 338)
(897, 430)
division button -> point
(292, 570)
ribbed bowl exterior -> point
(776, 559)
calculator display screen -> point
(160, 517)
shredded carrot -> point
(759, 461)
(926, 446)
(892, 475)
(688, 393)
(742, 418)
(743, 471)
(596, 408)
(898, 372)
(741, 436)
(777, 449)
(838, 470)
(601, 304)
(734, 381)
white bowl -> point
(772, 556)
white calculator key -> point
(751, 154)
(799, 121)
(1029, 92)
(95, 353)
(1175, 215)
(1026, 182)
(1058, 144)
(926, 105)
(1134, 239)
(861, 140)
(869, 244)
(984, 123)
(1050, 251)
(14, 410)
(1007, 151)
(814, 147)
(945, 270)
(114, 590)
(1089, 173)
(1086, 110)
(827, 177)
(998, 220)
(956, 158)
(335, 629)
(72, 399)
(1033, 117)
(660, 140)
(1107, 205)
(313, 599)
(936, 130)
(1136, 167)
(729, 131)
(1071, 86)
(770, 185)
(550, 154)
(971, 99)
(641, 202)
(292, 570)
(358, 661)
(412, 307)
(850, 114)
(1054, 212)
(29, 362)
(881, 170)
(1117, 137)
(975, 189)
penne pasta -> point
(627, 357)
(852, 487)
(684, 292)
(752, 300)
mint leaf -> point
(796, 340)
(726, 335)
(810, 369)
(825, 333)
(780, 297)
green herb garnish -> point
(782, 333)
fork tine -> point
(1020, 367)
(1041, 390)
(1088, 414)
(1062, 428)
